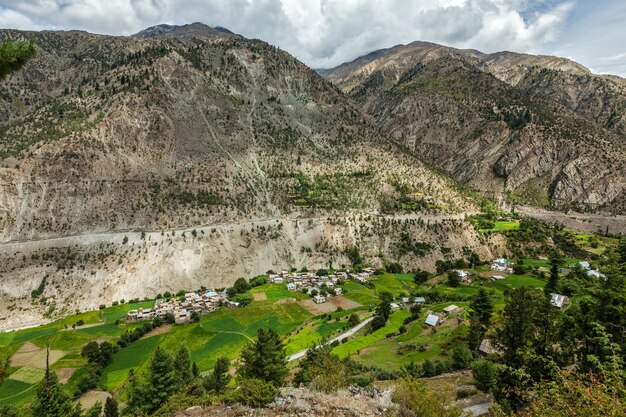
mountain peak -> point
(196, 29)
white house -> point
(319, 299)
(595, 274)
(558, 300)
(338, 291)
(432, 320)
(291, 286)
(419, 300)
(497, 278)
(278, 280)
(464, 275)
(450, 309)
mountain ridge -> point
(531, 122)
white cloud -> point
(322, 33)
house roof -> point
(419, 299)
(558, 300)
(450, 308)
(486, 347)
(432, 320)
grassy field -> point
(501, 226)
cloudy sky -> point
(325, 33)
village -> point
(184, 308)
(320, 287)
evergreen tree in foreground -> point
(14, 55)
(182, 366)
(51, 400)
(265, 359)
(160, 383)
(110, 408)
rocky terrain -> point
(188, 156)
(255, 157)
(543, 130)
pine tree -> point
(14, 55)
(556, 261)
(182, 366)
(195, 371)
(161, 381)
(518, 325)
(219, 378)
(482, 306)
(51, 400)
(110, 408)
(265, 359)
(481, 310)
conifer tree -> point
(111, 408)
(14, 55)
(51, 400)
(265, 359)
(182, 366)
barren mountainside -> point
(188, 156)
(542, 129)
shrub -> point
(252, 392)
(484, 373)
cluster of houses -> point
(585, 266)
(184, 307)
(502, 265)
(433, 319)
(319, 287)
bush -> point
(484, 373)
(461, 357)
(102, 307)
(252, 392)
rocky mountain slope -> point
(189, 156)
(544, 130)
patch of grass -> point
(28, 375)
(16, 392)
(131, 357)
(356, 345)
(501, 226)
(517, 281)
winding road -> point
(348, 333)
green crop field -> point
(16, 392)
(131, 357)
(516, 281)
(277, 292)
(501, 226)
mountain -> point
(197, 29)
(184, 157)
(542, 130)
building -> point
(502, 262)
(584, 265)
(497, 278)
(338, 291)
(450, 309)
(319, 299)
(595, 274)
(486, 348)
(501, 265)
(419, 300)
(558, 300)
(395, 306)
(291, 286)
(432, 320)
(464, 275)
